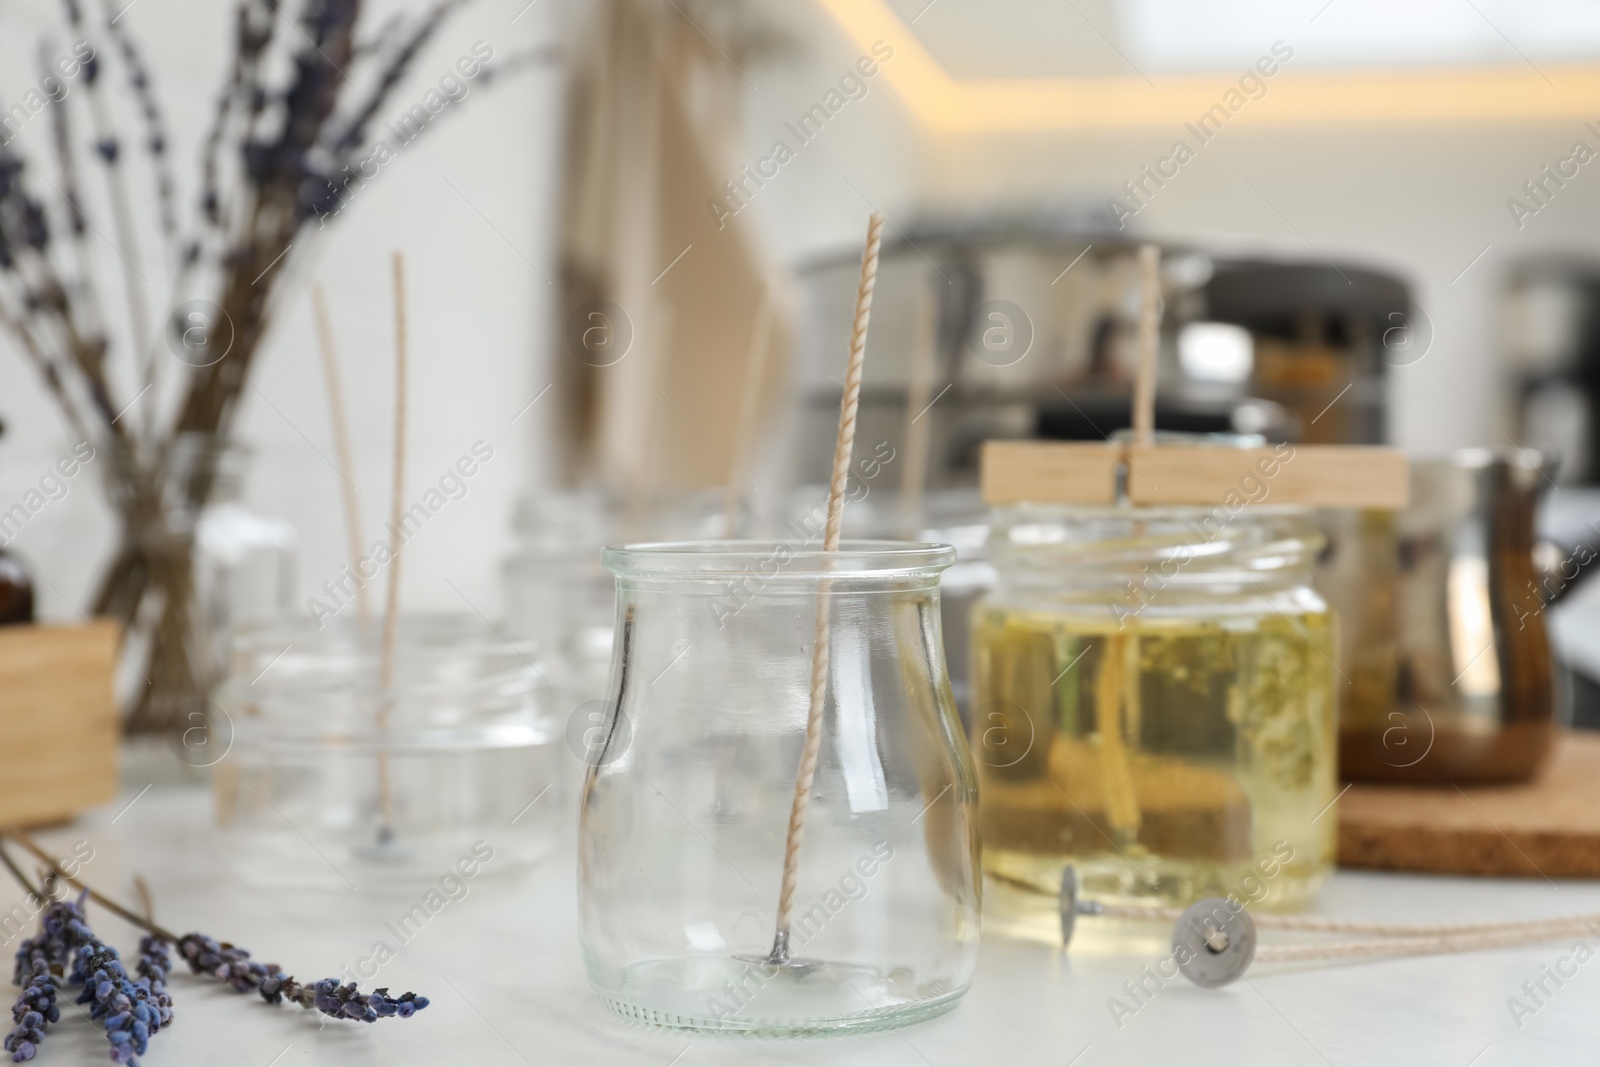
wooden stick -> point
(1144, 382)
(749, 405)
(1081, 472)
(924, 336)
(341, 443)
(842, 447)
(391, 606)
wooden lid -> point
(1067, 472)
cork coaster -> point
(1547, 828)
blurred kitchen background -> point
(631, 267)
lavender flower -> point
(154, 966)
(36, 1008)
(233, 965)
(132, 1008)
(40, 963)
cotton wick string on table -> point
(819, 657)
(1214, 941)
(1321, 925)
(1507, 937)
(1072, 908)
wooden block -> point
(1049, 472)
(1547, 828)
(58, 719)
(1068, 472)
(1320, 475)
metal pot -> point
(1447, 667)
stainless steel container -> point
(1448, 674)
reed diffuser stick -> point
(391, 606)
(1144, 382)
(924, 337)
(842, 447)
(341, 442)
(744, 430)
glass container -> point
(560, 595)
(1153, 703)
(955, 517)
(686, 805)
(244, 564)
(323, 779)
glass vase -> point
(686, 805)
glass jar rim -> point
(1004, 514)
(720, 559)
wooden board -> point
(58, 720)
(1063, 472)
(1547, 828)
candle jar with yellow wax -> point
(1153, 703)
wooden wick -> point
(341, 443)
(391, 606)
(830, 543)
(1144, 382)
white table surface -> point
(503, 972)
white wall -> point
(472, 206)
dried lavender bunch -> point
(233, 965)
(294, 118)
(132, 1009)
(36, 1008)
(129, 1009)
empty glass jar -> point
(1154, 703)
(686, 805)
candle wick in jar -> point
(819, 653)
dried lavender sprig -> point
(35, 1009)
(355, 130)
(67, 169)
(55, 868)
(108, 149)
(233, 965)
(129, 1009)
(155, 129)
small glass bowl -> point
(328, 781)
